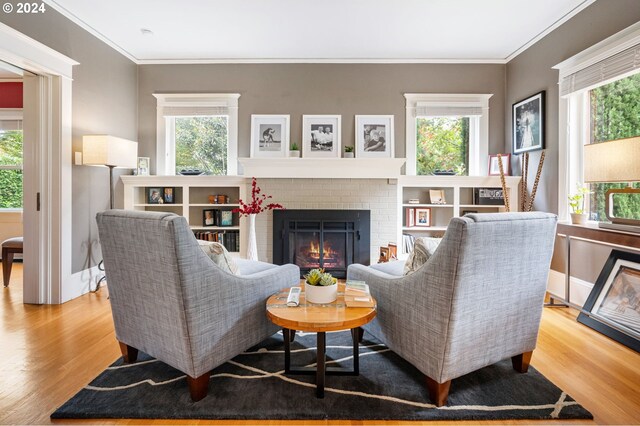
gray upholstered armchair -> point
(171, 301)
(476, 301)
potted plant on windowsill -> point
(576, 203)
(294, 150)
(320, 287)
(348, 152)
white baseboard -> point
(81, 283)
(579, 289)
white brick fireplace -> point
(377, 195)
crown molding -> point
(319, 61)
(79, 22)
(204, 61)
(550, 28)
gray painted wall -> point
(531, 72)
(104, 101)
(297, 89)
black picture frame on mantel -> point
(528, 122)
(613, 306)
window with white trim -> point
(447, 132)
(197, 131)
(600, 101)
(11, 153)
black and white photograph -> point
(321, 136)
(374, 136)
(528, 124)
(614, 301)
(269, 136)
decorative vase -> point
(294, 154)
(252, 247)
(348, 155)
(578, 218)
(320, 294)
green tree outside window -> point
(442, 144)
(10, 179)
(201, 143)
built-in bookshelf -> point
(426, 204)
(207, 202)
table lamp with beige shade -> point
(615, 161)
(110, 151)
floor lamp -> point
(615, 161)
(112, 152)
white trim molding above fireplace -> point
(334, 168)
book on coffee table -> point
(356, 288)
(356, 295)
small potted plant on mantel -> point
(576, 202)
(320, 287)
(348, 152)
(294, 150)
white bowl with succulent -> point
(320, 287)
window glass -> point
(10, 169)
(201, 143)
(442, 144)
(615, 114)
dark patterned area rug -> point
(252, 386)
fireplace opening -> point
(329, 239)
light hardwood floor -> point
(48, 353)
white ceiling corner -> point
(336, 31)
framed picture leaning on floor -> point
(613, 306)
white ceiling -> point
(320, 30)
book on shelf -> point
(226, 218)
(407, 242)
(229, 239)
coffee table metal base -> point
(321, 369)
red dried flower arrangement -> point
(257, 202)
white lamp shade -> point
(613, 161)
(105, 150)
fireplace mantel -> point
(337, 168)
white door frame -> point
(47, 113)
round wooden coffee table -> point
(310, 317)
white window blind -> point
(178, 111)
(431, 110)
(9, 125)
(613, 67)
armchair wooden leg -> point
(438, 392)
(129, 353)
(521, 362)
(198, 386)
(7, 264)
(292, 335)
